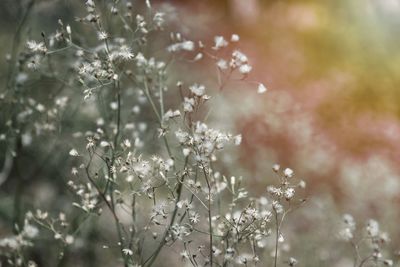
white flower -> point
(349, 220)
(261, 88)
(114, 105)
(238, 59)
(68, 28)
(148, 4)
(127, 143)
(187, 45)
(159, 19)
(69, 239)
(184, 255)
(237, 139)
(346, 234)
(245, 69)
(186, 151)
(235, 38)
(194, 217)
(102, 35)
(372, 228)
(288, 172)
(276, 167)
(222, 64)
(30, 231)
(188, 104)
(302, 184)
(277, 207)
(182, 46)
(57, 236)
(127, 251)
(197, 89)
(104, 144)
(219, 42)
(36, 47)
(388, 262)
(125, 53)
(171, 114)
(73, 152)
(198, 57)
(292, 261)
(289, 193)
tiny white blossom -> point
(276, 167)
(197, 89)
(186, 151)
(73, 152)
(102, 35)
(69, 239)
(188, 46)
(194, 217)
(292, 261)
(68, 28)
(245, 69)
(237, 139)
(114, 105)
(127, 251)
(261, 88)
(372, 228)
(36, 47)
(127, 143)
(219, 42)
(289, 193)
(235, 38)
(388, 262)
(171, 114)
(188, 104)
(288, 172)
(222, 64)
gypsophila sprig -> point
(138, 167)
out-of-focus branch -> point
(7, 166)
(16, 43)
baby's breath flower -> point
(171, 114)
(245, 69)
(388, 262)
(194, 217)
(197, 89)
(181, 46)
(73, 152)
(261, 88)
(219, 42)
(68, 29)
(36, 47)
(69, 239)
(125, 53)
(188, 104)
(184, 255)
(289, 193)
(288, 173)
(198, 57)
(292, 261)
(127, 251)
(159, 19)
(237, 139)
(235, 38)
(372, 228)
(276, 167)
(102, 35)
(222, 64)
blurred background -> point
(331, 113)
(332, 110)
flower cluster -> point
(144, 161)
(368, 243)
